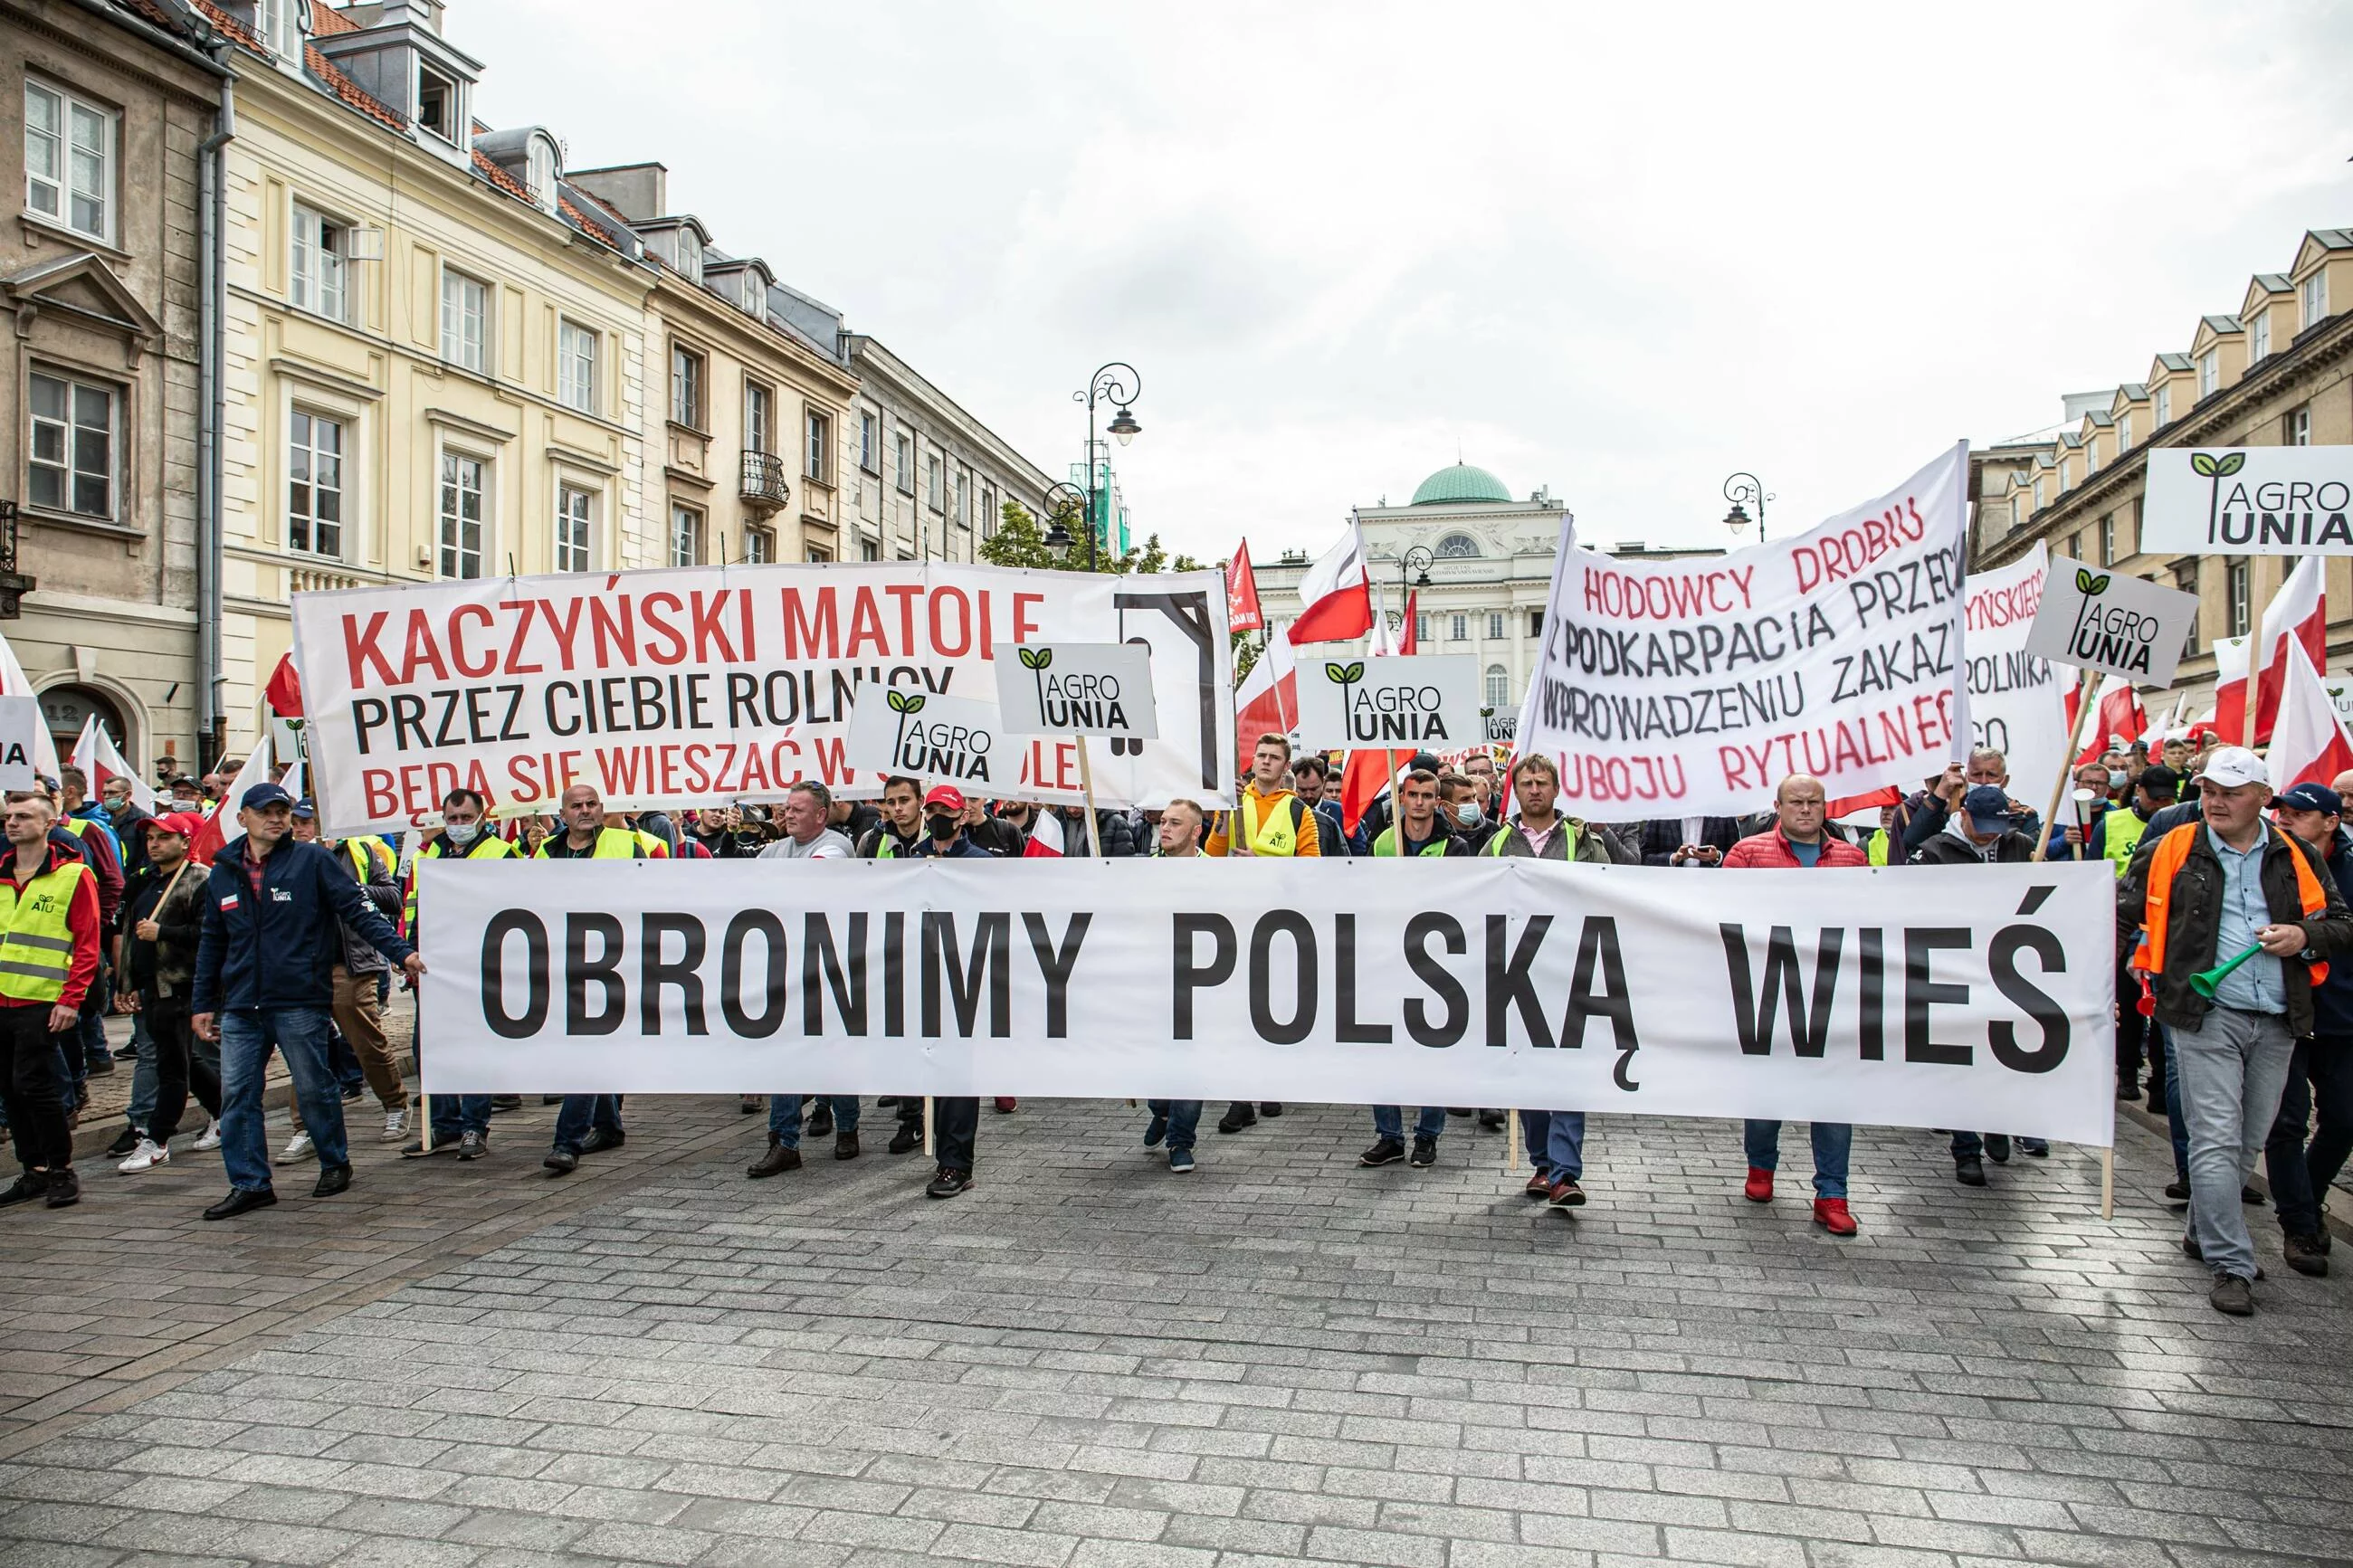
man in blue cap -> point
(265, 978)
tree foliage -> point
(1020, 541)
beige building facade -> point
(2277, 372)
(926, 481)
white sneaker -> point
(146, 1157)
(298, 1149)
(396, 1125)
(211, 1140)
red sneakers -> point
(1005, 1104)
(1759, 1189)
(1832, 1215)
(1540, 1185)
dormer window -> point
(2259, 337)
(2315, 293)
(2210, 372)
(539, 171)
(2164, 406)
(690, 254)
(756, 297)
(2123, 431)
(279, 23)
(436, 105)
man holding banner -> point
(1268, 819)
(459, 1122)
(2236, 922)
(588, 1124)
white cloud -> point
(1621, 253)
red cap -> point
(186, 824)
(945, 794)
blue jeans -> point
(95, 1006)
(246, 1039)
(583, 1111)
(1183, 1119)
(2232, 1067)
(345, 1062)
(454, 1115)
(784, 1116)
(1554, 1141)
(2176, 1128)
(143, 1073)
(1833, 1140)
(1388, 1121)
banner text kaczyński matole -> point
(1928, 996)
(688, 687)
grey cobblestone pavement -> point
(1086, 1361)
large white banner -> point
(1970, 998)
(1691, 687)
(2249, 500)
(2018, 700)
(700, 685)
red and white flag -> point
(2118, 719)
(1408, 638)
(1336, 593)
(2309, 745)
(1267, 702)
(1242, 611)
(285, 689)
(12, 683)
(1045, 840)
(221, 823)
(2299, 611)
(96, 755)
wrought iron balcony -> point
(765, 490)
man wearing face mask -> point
(1459, 804)
(462, 1124)
(957, 1118)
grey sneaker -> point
(2232, 1296)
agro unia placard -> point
(1692, 688)
(703, 685)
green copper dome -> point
(1459, 483)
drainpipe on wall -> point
(212, 177)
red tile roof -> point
(589, 225)
(500, 177)
(229, 25)
(327, 20)
(351, 92)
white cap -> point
(2235, 765)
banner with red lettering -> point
(1691, 687)
(698, 686)
(2018, 700)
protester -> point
(589, 1124)
(1797, 839)
(1986, 766)
(50, 929)
(807, 807)
(1459, 809)
(2201, 894)
(359, 1017)
(1537, 831)
(2320, 1067)
(956, 1117)
(2113, 834)
(100, 849)
(853, 819)
(900, 828)
(1183, 827)
(1311, 781)
(1418, 830)
(460, 1124)
(1268, 819)
(164, 922)
(264, 981)
(1685, 840)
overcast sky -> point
(1619, 253)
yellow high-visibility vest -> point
(36, 946)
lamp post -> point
(1117, 384)
(1740, 488)
(1060, 499)
(1413, 572)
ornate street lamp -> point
(1740, 488)
(1117, 384)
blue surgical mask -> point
(1469, 813)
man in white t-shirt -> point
(806, 836)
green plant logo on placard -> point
(2214, 470)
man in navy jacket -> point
(265, 968)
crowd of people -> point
(283, 942)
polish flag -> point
(2118, 719)
(285, 689)
(1045, 842)
(1364, 781)
(1242, 611)
(12, 683)
(221, 823)
(1337, 593)
(2299, 611)
(1408, 638)
(96, 756)
(1266, 703)
(2308, 741)
(1850, 805)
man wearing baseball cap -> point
(2199, 897)
(265, 967)
(2320, 1072)
(162, 925)
(955, 1118)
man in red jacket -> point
(1799, 838)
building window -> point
(2185, 578)
(690, 254)
(935, 482)
(1499, 686)
(962, 497)
(572, 510)
(539, 171)
(2236, 590)
(759, 546)
(818, 555)
(576, 367)
(1461, 629)
(2314, 294)
(2107, 539)
(685, 536)
(1420, 629)
(317, 274)
(2123, 431)
(436, 105)
(276, 21)
(685, 387)
(1456, 547)
(463, 480)
(2258, 336)
(2091, 456)
(869, 453)
(72, 467)
(465, 321)
(2164, 406)
(759, 419)
(870, 550)
(1535, 623)
(989, 513)
(2210, 372)
(2295, 429)
(2038, 494)
(314, 484)
(821, 444)
(1496, 624)
(69, 161)
(903, 460)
